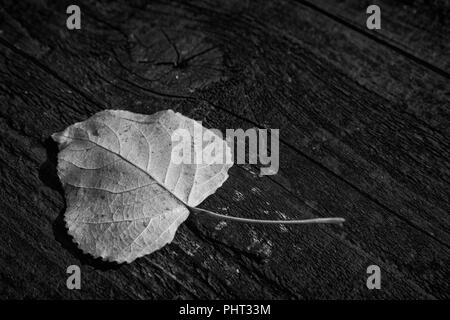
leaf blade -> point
(116, 149)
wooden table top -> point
(364, 134)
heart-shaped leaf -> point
(125, 197)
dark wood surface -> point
(364, 129)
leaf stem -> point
(246, 220)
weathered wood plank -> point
(418, 28)
(258, 253)
(412, 88)
(56, 77)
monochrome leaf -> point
(125, 197)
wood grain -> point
(364, 132)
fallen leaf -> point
(125, 197)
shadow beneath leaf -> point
(47, 171)
(48, 175)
